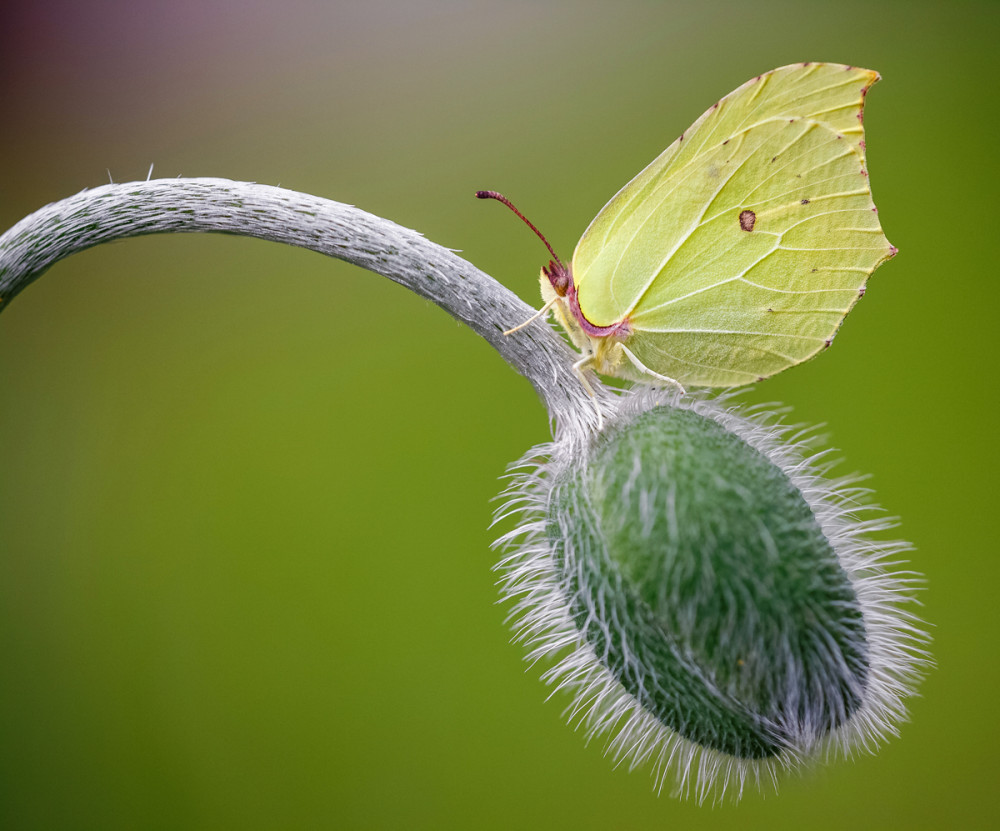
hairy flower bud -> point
(711, 601)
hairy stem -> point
(204, 205)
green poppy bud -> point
(714, 605)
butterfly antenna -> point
(492, 194)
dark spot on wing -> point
(774, 159)
(726, 141)
(747, 220)
(826, 343)
(861, 292)
(805, 201)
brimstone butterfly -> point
(739, 251)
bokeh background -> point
(245, 574)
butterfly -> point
(740, 249)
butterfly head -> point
(559, 276)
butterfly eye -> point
(559, 276)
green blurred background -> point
(245, 576)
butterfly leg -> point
(535, 316)
(579, 369)
(645, 370)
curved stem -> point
(117, 211)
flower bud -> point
(708, 598)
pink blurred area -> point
(114, 85)
(101, 78)
(143, 57)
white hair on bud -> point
(541, 619)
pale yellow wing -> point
(739, 250)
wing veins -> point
(788, 102)
(790, 162)
(676, 179)
(717, 283)
(831, 213)
(699, 365)
(787, 291)
(686, 236)
(732, 332)
(862, 192)
(737, 279)
(780, 102)
(675, 182)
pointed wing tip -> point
(871, 78)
